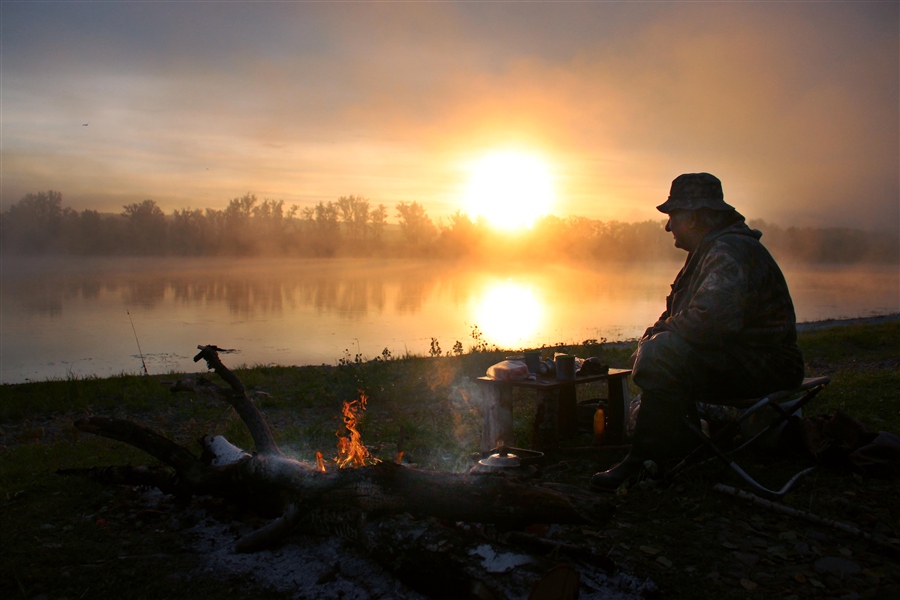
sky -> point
(795, 106)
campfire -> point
(351, 451)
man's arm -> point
(716, 310)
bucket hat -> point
(693, 191)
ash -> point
(308, 566)
(312, 566)
(336, 565)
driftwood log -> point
(273, 483)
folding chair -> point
(784, 403)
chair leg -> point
(774, 401)
(766, 491)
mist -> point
(352, 226)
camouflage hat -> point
(693, 191)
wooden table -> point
(557, 408)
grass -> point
(69, 537)
(863, 362)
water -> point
(79, 317)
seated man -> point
(728, 331)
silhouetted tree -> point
(39, 224)
(327, 233)
(33, 225)
(354, 211)
(237, 236)
(145, 224)
(97, 234)
(378, 217)
(415, 225)
(191, 232)
(460, 237)
(268, 225)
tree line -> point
(351, 226)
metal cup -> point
(533, 360)
(565, 366)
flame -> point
(351, 451)
(320, 462)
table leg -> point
(545, 431)
(498, 418)
(568, 412)
(619, 406)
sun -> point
(510, 189)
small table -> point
(557, 408)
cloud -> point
(795, 107)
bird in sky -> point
(85, 124)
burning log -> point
(274, 483)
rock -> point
(802, 548)
(816, 535)
(837, 565)
(746, 557)
(888, 592)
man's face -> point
(681, 224)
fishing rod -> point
(140, 352)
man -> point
(728, 331)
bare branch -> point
(140, 437)
(259, 430)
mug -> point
(565, 366)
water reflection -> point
(69, 316)
(509, 314)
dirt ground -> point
(684, 541)
(696, 542)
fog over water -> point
(74, 316)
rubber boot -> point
(659, 435)
(629, 468)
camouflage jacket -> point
(731, 296)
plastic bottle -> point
(599, 426)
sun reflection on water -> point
(508, 314)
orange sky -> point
(794, 106)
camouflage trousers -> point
(674, 375)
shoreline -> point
(804, 327)
(808, 326)
(828, 323)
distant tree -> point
(34, 224)
(354, 211)
(648, 240)
(146, 227)
(269, 225)
(98, 234)
(236, 233)
(191, 232)
(327, 231)
(415, 225)
(378, 218)
(292, 243)
(460, 237)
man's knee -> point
(660, 360)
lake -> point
(75, 317)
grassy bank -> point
(69, 537)
(429, 401)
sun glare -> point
(510, 189)
(508, 314)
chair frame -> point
(784, 402)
